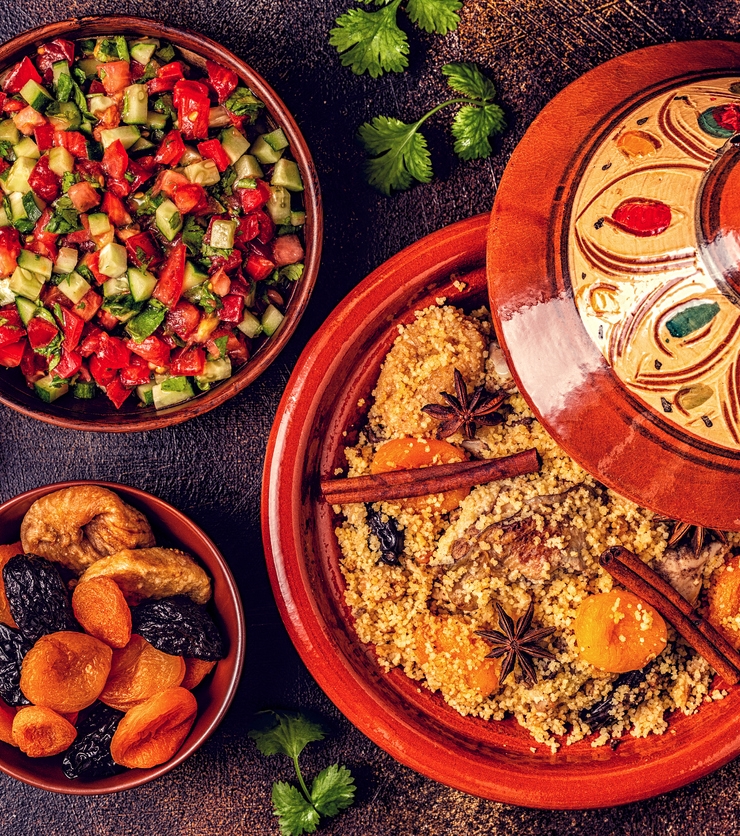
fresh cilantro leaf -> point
(203, 296)
(466, 78)
(289, 736)
(471, 128)
(371, 41)
(440, 16)
(53, 350)
(192, 235)
(122, 307)
(295, 813)
(85, 272)
(166, 53)
(65, 218)
(292, 272)
(146, 323)
(79, 74)
(398, 153)
(243, 102)
(214, 252)
(65, 85)
(333, 790)
(176, 384)
(220, 343)
(33, 213)
(164, 105)
(87, 46)
(148, 206)
(6, 149)
(69, 178)
(150, 72)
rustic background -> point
(210, 468)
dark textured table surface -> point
(210, 468)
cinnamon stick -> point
(403, 484)
(639, 578)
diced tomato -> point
(10, 333)
(109, 118)
(188, 196)
(140, 173)
(11, 316)
(160, 85)
(143, 251)
(115, 75)
(44, 242)
(44, 136)
(56, 50)
(213, 150)
(188, 89)
(4, 165)
(44, 181)
(102, 374)
(167, 180)
(10, 249)
(91, 340)
(79, 236)
(237, 347)
(175, 69)
(229, 265)
(233, 306)
(171, 277)
(222, 80)
(287, 249)
(115, 160)
(153, 349)
(120, 188)
(220, 282)
(166, 78)
(267, 227)
(171, 149)
(69, 364)
(188, 361)
(90, 169)
(88, 306)
(137, 70)
(73, 141)
(117, 392)
(183, 319)
(113, 352)
(106, 319)
(115, 210)
(21, 73)
(96, 88)
(193, 113)
(92, 262)
(83, 196)
(258, 267)
(32, 364)
(254, 198)
(72, 326)
(41, 332)
(11, 355)
(248, 229)
(136, 373)
(27, 120)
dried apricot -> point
(406, 453)
(138, 672)
(724, 601)
(151, 733)
(65, 671)
(6, 552)
(618, 632)
(41, 732)
(101, 609)
(7, 715)
(196, 670)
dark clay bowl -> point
(317, 417)
(214, 694)
(100, 415)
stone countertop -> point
(210, 468)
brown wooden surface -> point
(210, 467)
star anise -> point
(517, 643)
(465, 410)
(697, 537)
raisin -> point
(178, 626)
(13, 648)
(89, 756)
(390, 538)
(101, 609)
(38, 599)
(41, 732)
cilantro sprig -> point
(332, 790)
(374, 43)
(398, 152)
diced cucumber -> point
(85, 390)
(64, 116)
(98, 104)
(168, 218)
(24, 211)
(247, 166)
(271, 319)
(116, 287)
(297, 218)
(27, 148)
(141, 144)
(99, 224)
(7, 297)
(204, 172)
(25, 283)
(128, 134)
(58, 69)
(234, 144)
(20, 171)
(141, 283)
(113, 260)
(286, 174)
(171, 391)
(37, 96)
(38, 264)
(89, 66)
(74, 287)
(61, 161)
(222, 234)
(193, 276)
(135, 102)
(190, 156)
(9, 132)
(147, 322)
(145, 393)
(50, 388)
(214, 370)
(66, 260)
(156, 121)
(264, 152)
(278, 205)
(27, 309)
(143, 50)
(276, 140)
(4, 220)
(250, 326)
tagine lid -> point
(614, 276)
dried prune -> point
(7, 715)
(101, 609)
(196, 670)
(65, 671)
(140, 671)
(6, 552)
(151, 733)
(178, 626)
(389, 537)
(41, 732)
(13, 647)
(38, 599)
(89, 756)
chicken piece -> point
(683, 569)
(78, 526)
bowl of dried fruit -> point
(121, 637)
(161, 225)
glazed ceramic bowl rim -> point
(268, 352)
(136, 777)
(494, 763)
